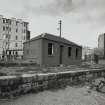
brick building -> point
(50, 50)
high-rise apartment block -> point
(101, 44)
(13, 33)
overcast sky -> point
(82, 20)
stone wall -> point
(17, 85)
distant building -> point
(101, 45)
(50, 50)
(87, 53)
(13, 32)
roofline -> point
(52, 40)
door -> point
(61, 53)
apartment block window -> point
(13, 52)
(16, 23)
(6, 20)
(50, 49)
(3, 20)
(24, 24)
(9, 52)
(3, 28)
(69, 51)
(76, 52)
(16, 44)
(6, 35)
(16, 37)
(16, 53)
(16, 30)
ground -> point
(18, 70)
(68, 96)
(75, 95)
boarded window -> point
(69, 51)
(76, 52)
(50, 49)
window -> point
(16, 23)
(9, 52)
(16, 53)
(50, 49)
(6, 20)
(16, 37)
(3, 28)
(6, 35)
(16, 30)
(69, 51)
(13, 52)
(76, 52)
(3, 20)
(16, 44)
(24, 24)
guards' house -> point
(50, 50)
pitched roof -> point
(53, 38)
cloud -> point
(80, 17)
(90, 11)
(48, 7)
(86, 11)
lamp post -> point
(60, 27)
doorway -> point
(61, 53)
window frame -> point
(4, 28)
(77, 52)
(16, 30)
(16, 45)
(16, 37)
(69, 51)
(4, 21)
(50, 49)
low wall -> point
(12, 64)
(17, 85)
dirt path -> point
(67, 96)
